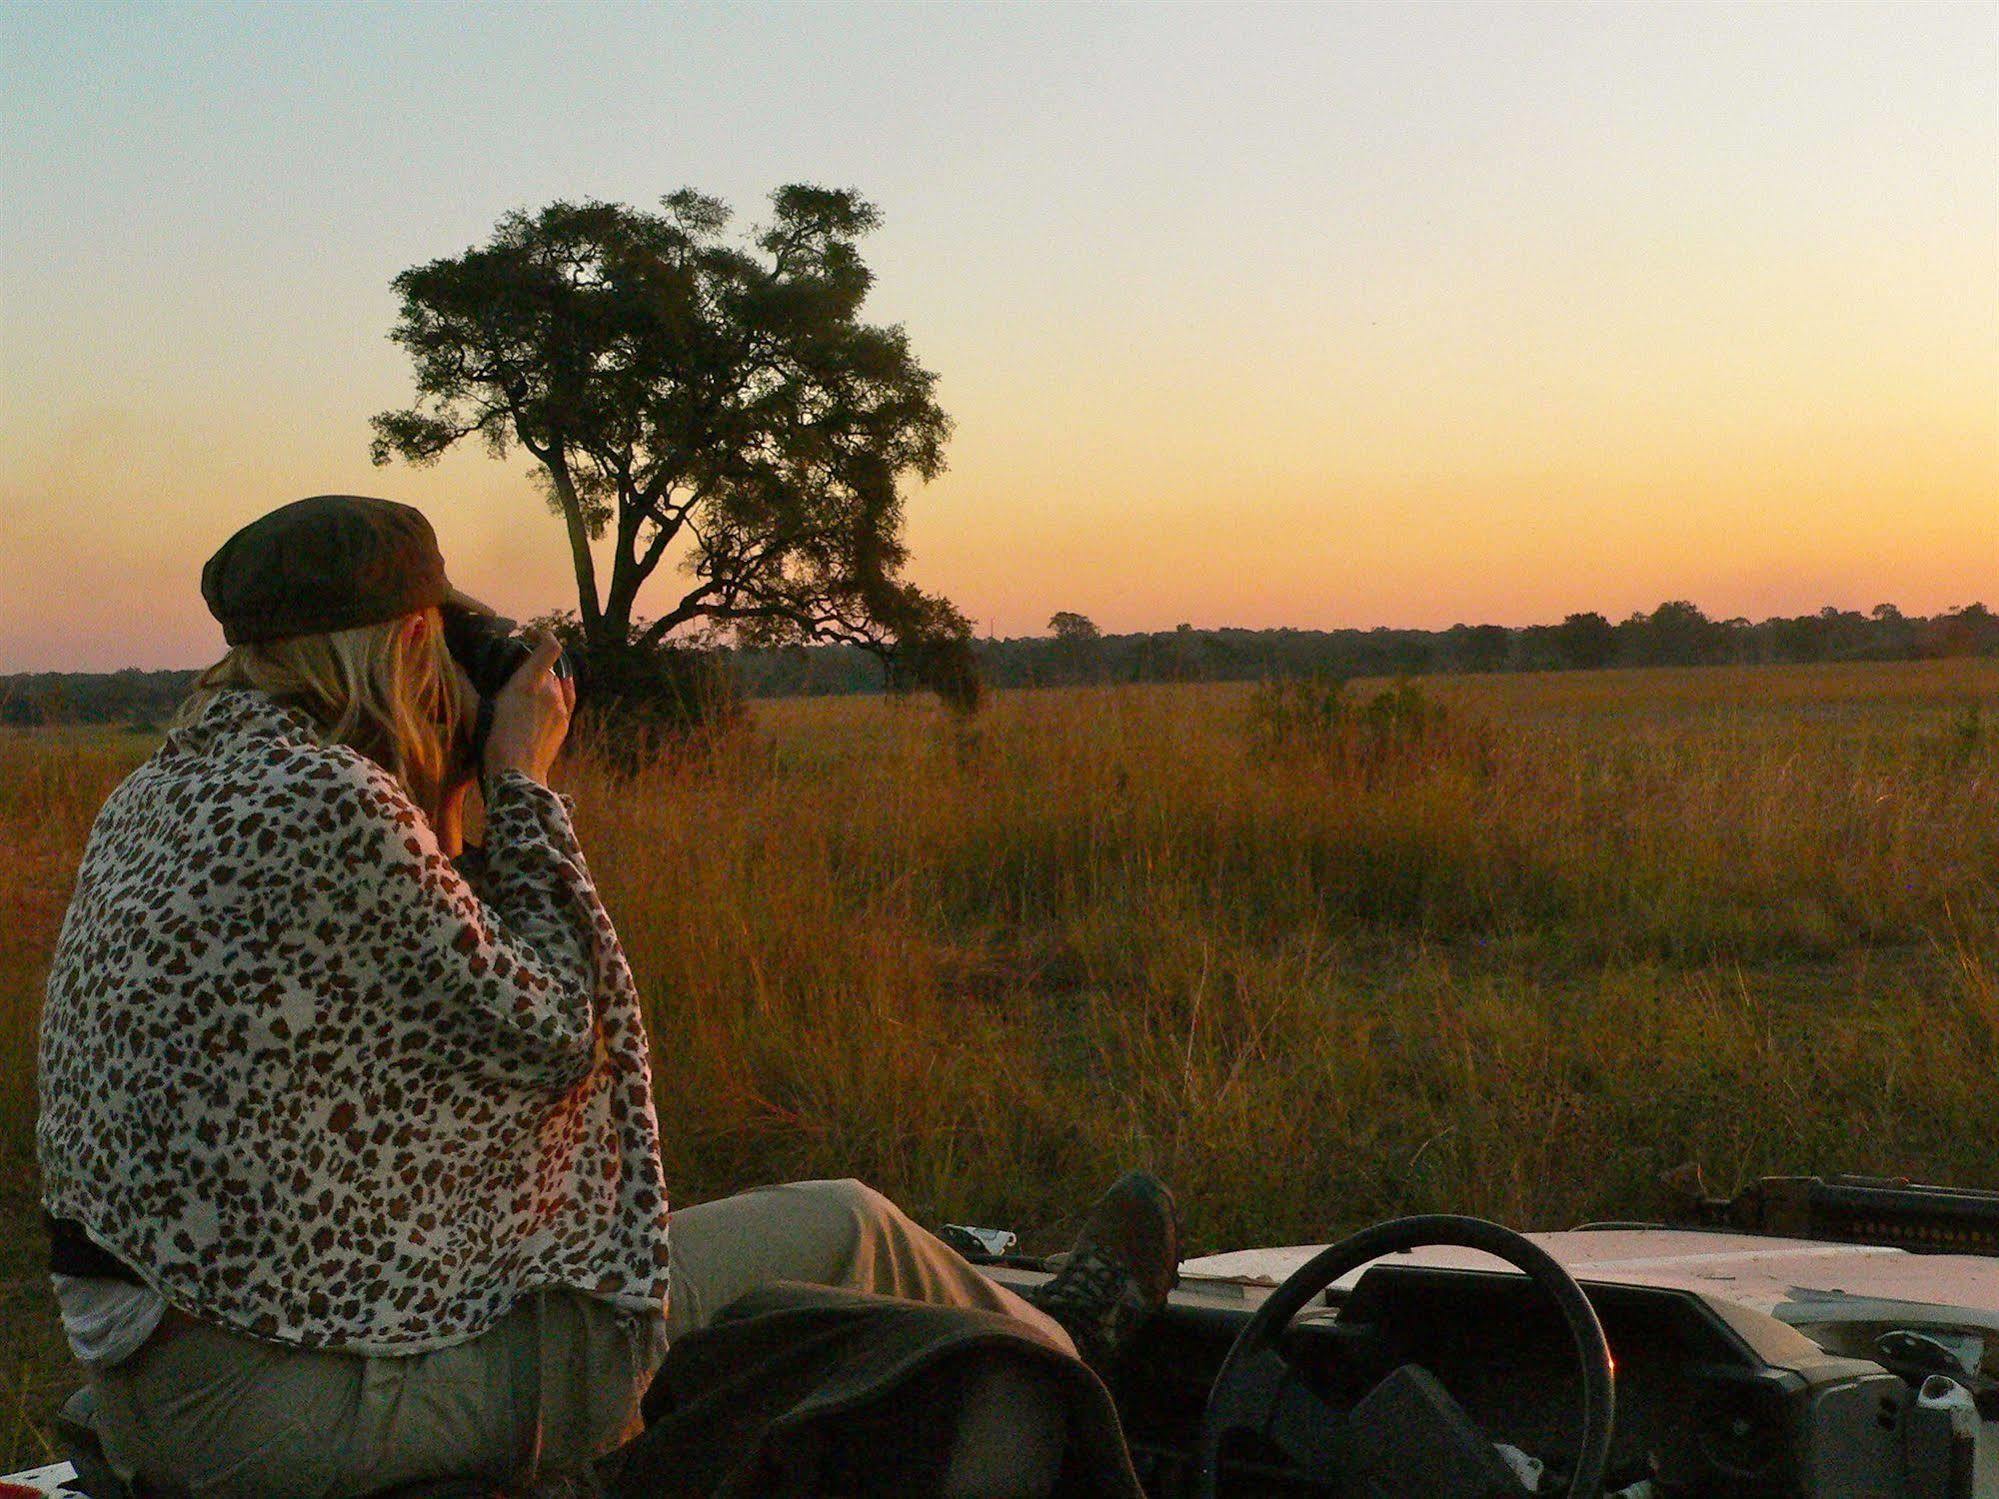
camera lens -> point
(485, 646)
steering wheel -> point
(1258, 1389)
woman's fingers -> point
(547, 650)
(531, 714)
(536, 675)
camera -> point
(486, 646)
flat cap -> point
(331, 562)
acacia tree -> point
(1078, 643)
(696, 396)
(1071, 628)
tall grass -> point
(1600, 927)
(1316, 967)
(51, 785)
(1573, 931)
(50, 788)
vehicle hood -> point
(1800, 1282)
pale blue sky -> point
(1248, 315)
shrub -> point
(1317, 721)
(635, 703)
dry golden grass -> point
(1744, 917)
(1603, 924)
(50, 788)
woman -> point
(351, 1164)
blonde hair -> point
(380, 689)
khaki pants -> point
(554, 1383)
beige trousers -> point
(554, 1383)
(824, 1233)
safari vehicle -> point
(1808, 1339)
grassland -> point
(1315, 968)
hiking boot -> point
(1125, 1260)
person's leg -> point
(829, 1233)
(1011, 1431)
(226, 1415)
(554, 1383)
(552, 1386)
(594, 1364)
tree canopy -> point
(1075, 629)
(710, 398)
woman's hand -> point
(531, 715)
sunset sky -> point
(1340, 315)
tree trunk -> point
(579, 548)
(630, 568)
(624, 591)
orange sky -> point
(1353, 316)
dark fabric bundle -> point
(800, 1391)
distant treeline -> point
(138, 699)
(1674, 634)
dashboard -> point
(1712, 1403)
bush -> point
(1316, 720)
(635, 703)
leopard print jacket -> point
(312, 1087)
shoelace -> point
(1095, 1300)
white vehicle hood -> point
(1797, 1281)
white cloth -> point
(106, 1320)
